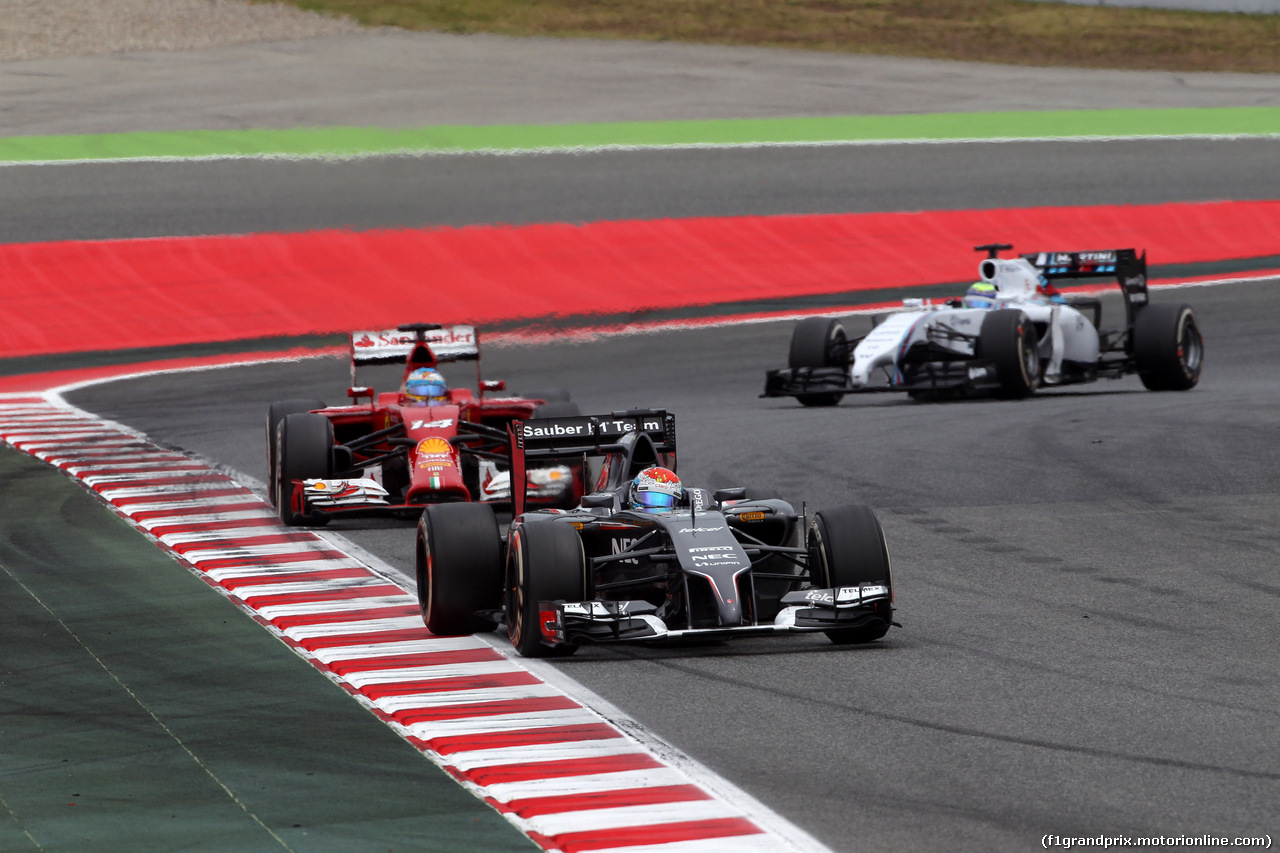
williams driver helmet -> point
(656, 490)
(424, 387)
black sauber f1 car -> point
(716, 564)
(1011, 334)
(388, 454)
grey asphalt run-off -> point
(1087, 579)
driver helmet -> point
(424, 387)
(656, 490)
(981, 295)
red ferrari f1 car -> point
(397, 451)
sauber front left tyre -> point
(545, 562)
(1167, 347)
(847, 548)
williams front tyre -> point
(1008, 341)
(819, 342)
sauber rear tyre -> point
(275, 413)
(304, 451)
(566, 409)
(847, 548)
(1008, 340)
(545, 562)
(1167, 347)
(819, 342)
(557, 409)
(458, 563)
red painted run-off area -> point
(78, 296)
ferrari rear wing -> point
(582, 435)
(1126, 266)
(392, 346)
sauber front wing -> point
(803, 611)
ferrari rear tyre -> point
(458, 562)
(304, 451)
(819, 342)
(545, 562)
(275, 413)
(1008, 340)
(1167, 347)
(847, 548)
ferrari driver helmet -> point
(425, 387)
(656, 490)
(981, 295)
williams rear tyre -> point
(1167, 347)
(847, 548)
(1008, 340)
(545, 562)
(275, 413)
(458, 562)
(819, 342)
(304, 451)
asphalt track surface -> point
(96, 201)
(1087, 579)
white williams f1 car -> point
(1010, 334)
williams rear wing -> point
(1126, 266)
(582, 435)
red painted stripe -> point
(284, 623)
(148, 482)
(604, 800)
(200, 508)
(503, 773)
(243, 541)
(256, 601)
(301, 556)
(519, 737)
(535, 705)
(662, 833)
(248, 286)
(202, 496)
(96, 471)
(372, 664)
(293, 577)
(514, 678)
(229, 524)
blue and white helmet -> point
(424, 387)
(981, 295)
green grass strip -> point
(359, 142)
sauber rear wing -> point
(1126, 266)
(582, 435)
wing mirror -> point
(493, 385)
(736, 493)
